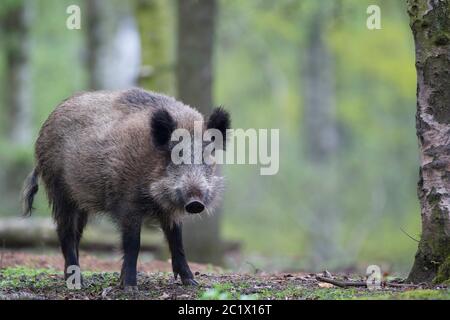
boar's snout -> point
(194, 206)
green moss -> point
(21, 277)
(443, 275)
(423, 295)
(442, 39)
(156, 24)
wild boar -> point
(110, 152)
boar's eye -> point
(162, 125)
(220, 120)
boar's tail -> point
(30, 188)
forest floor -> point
(32, 276)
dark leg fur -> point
(179, 264)
(66, 215)
(81, 223)
(131, 242)
(67, 234)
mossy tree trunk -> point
(15, 34)
(430, 24)
(16, 21)
(156, 27)
(196, 25)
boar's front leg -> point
(131, 242)
(179, 263)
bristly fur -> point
(108, 152)
(220, 120)
(30, 188)
(162, 125)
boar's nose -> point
(194, 206)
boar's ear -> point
(162, 125)
(220, 120)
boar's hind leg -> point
(81, 223)
(179, 264)
(131, 242)
(66, 216)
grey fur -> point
(98, 145)
(96, 153)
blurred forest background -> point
(343, 97)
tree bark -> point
(113, 45)
(196, 25)
(319, 92)
(430, 24)
(95, 40)
(156, 24)
(15, 21)
(16, 29)
(320, 134)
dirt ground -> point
(88, 263)
(32, 276)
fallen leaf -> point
(325, 285)
(106, 291)
(164, 296)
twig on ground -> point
(342, 284)
(347, 284)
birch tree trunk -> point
(196, 25)
(430, 24)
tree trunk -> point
(196, 25)
(15, 24)
(430, 24)
(321, 139)
(114, 52)
(319, 92)
(156, 25)
(16, 28)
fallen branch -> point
(342, 284)
(347, 284)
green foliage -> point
(23, 278)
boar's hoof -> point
(189, 282)
(131, 289)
